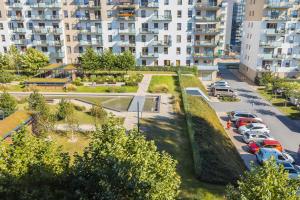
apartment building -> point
(158, 32)
(226, 14)
(238, 15)
(271, 38)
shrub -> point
(120, 90)
(70, 87)
(63, 107)
(162, 88)
(4, 87)
(131, 82)
(6, 77)
(77, 82)
(100, 80)
(98, 111)
(93, 78)
(85, 79)
(110, 90)
(31, 88)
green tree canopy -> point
(32, 168)
(269, 182)
(36, 101)
(107, 60)
(4, 61)
(33, 60)
(120, 165)
(89, 60)
(8, 104)
(14, 58)
(125, 61)
(65, 108)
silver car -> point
(235, 115)
(254, 136)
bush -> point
(77, 82)
(63, 107)
(258, 81)
(4, 87)
(85, 79)
(100, 80)
(98, 111)
(70, 87)
(162, 88)
(131, 82)
(120, 89)
(93, 78)
(31, 88)
(6, 77)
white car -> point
(255, 127)
(254, 136)
(220, 83)
(265, 154)
(235, 115)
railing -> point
(149, 55)
(162, 17)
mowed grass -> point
(220, 161)
(192, 81)
(279, 102)
(171, 135)
(157, 81)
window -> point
(178, 50)
(1, 26)
(188, 50)
(166, 26)
(68, 38)
(66, 14)
(155, 49)
(3, 38)
(109, 26)
(189, 38)
(166, 2)
(189, 26)
(178, 26)
(179, 2)
(144, 62)
(188, 62)
(179, 13)
(178, 38)
(110, 38)
(44, 49)
(143, 13)
(166, 50)
(190, 13)
(143, 38)
(155, 25)
(67, 26)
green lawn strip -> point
(107, 89)
(192, 81)
(157, 81)
(220, 161)
(171, 135)
(279, 102)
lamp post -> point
(138, 116)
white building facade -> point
(158, 32)
(271, 38)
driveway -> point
(284, 129)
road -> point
(284, 129)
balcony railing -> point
(204, 43)
(57, 54)
(17, 18)
(46, 17)
(274, 31)
(14, 5)
(162, 18)
(149, 5)
(207, 6)
(127, 31)
(276, 18)
(19, 30)
(204, 55)
(149, 30)
(127, 43)
(20, 42)
(47, 30)
(162, 43)
(271, 44)
(212, 31)
(206, 19)
(149, 55)
(279, 5)
(48, 5)
(55, 43)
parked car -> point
(219, 83)
(291, 169)
(253, 136)
(223, 91)
(235, 115)
(257, 127)
(265, 154)
(255, 146)
(245, 121)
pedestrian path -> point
(137, 104)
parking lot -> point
(283, 129)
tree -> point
(267, 182)
(289, 89)
(98, 112)
(43, 118)
(4, 62)
(63, 107)
(89, 60)
(14, 58)
(32, 168)
(120, 165)
(71, 120)
(125, 61)
(107, 60)
(33, 60)
(267, 78)
(8, 104)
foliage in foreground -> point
(115, 165)
(267, 182)
(8, 104)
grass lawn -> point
(107, 89)
(192, 81)
(156, 81)
(62, 139)
(171, 135)
(289, 110)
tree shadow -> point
(257, 103)
(266, 112)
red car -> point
(254, 147)
(245, 121)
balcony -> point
(57, 54)
(19, 30)
(205, 43)
(17, 18)
(207, 6)
(274, 31)
(151, 5)
(127, 43)
(40, 42)
(271, 56)
(96, 30)
(85, 42)
(55, 43)
(210, 56)
(48, 5)
(206, 19)
(206, 31)
(270, 44)
(20, 42)
(97, 42)
(45, 17)
(86, 4)
(149, 31)
(162, 43)
(162, 18)
(279, 5)
(296, 56)
(130, 31)
(15, 5)
(123, 4)
(149, 55)
(126, 15)
(276, 18)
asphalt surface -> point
(282, 128)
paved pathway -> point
(282, 128)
